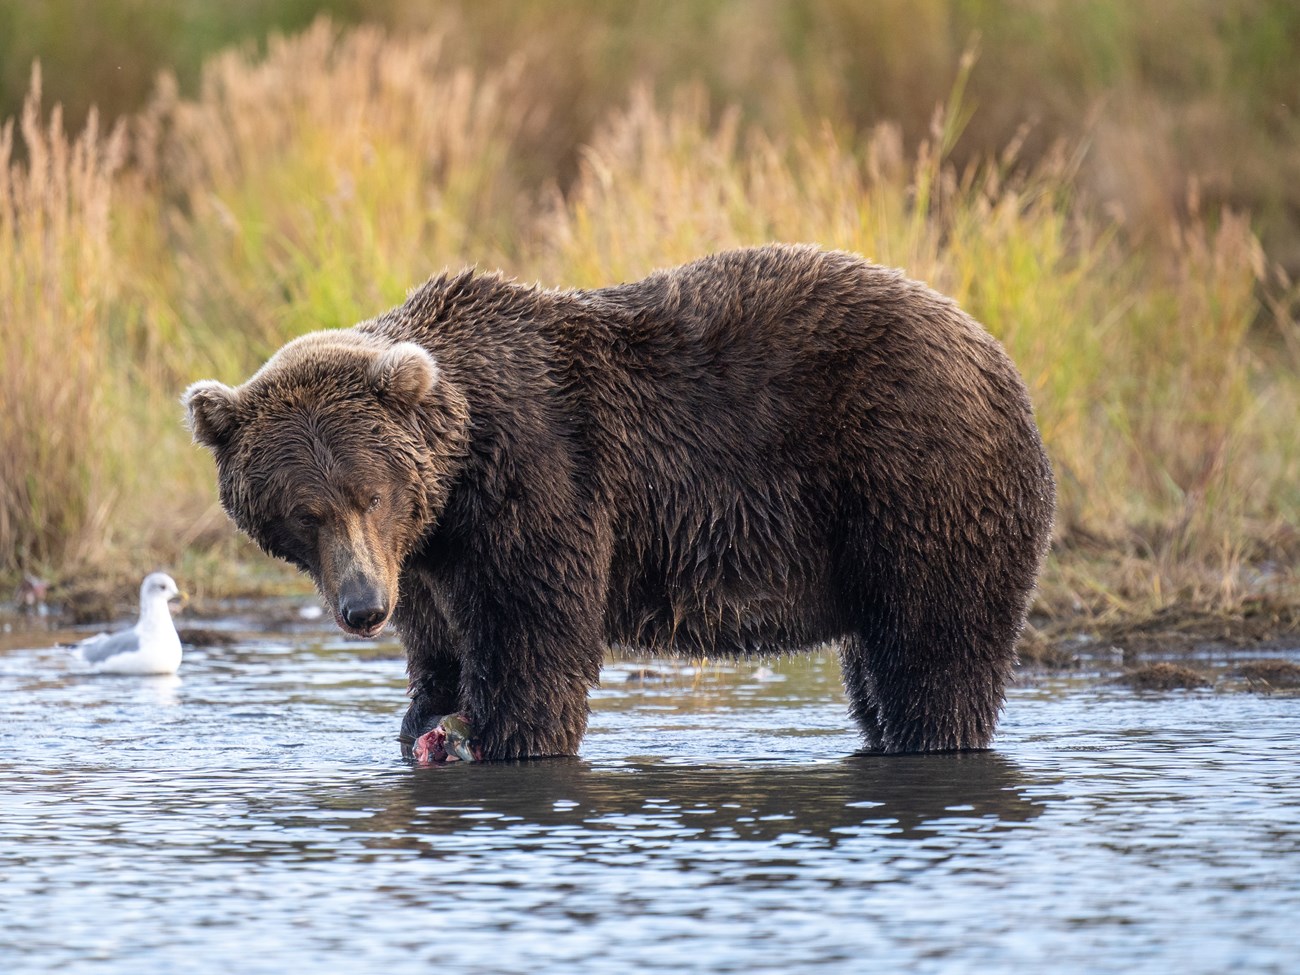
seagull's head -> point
(158, 587)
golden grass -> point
(57, 289)
(310, 187)
(314, 185)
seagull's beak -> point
(182, 595)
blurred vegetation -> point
(1111, 188)
(1159, 90)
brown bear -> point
(764, 450)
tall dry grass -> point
(58, 286)
(315, 184)
(1164, 88)
(311, 186)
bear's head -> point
(337, 456)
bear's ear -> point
(404, 374)
(211, 412)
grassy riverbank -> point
(310, 186)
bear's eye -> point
(305, 520)
(374, 502)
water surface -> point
(254, 815)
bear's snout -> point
(357, 576)
(363, 606)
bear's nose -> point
(362, 605)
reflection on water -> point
(253, 815)
(830, 801)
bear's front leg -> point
(533, 650)
(432, 667)
(433, 698)
(504, 722)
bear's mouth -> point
(364, 632)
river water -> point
(254, 815)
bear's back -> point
(792, 338)
(756, 293)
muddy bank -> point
(1168, 652)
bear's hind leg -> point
(864, 704)
(937, 686)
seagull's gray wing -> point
(97, 650)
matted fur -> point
(761, 451)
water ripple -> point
(253, 815)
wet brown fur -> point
(763, 450)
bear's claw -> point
(449, 741)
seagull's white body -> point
(150, 647)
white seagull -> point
(149, 647)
